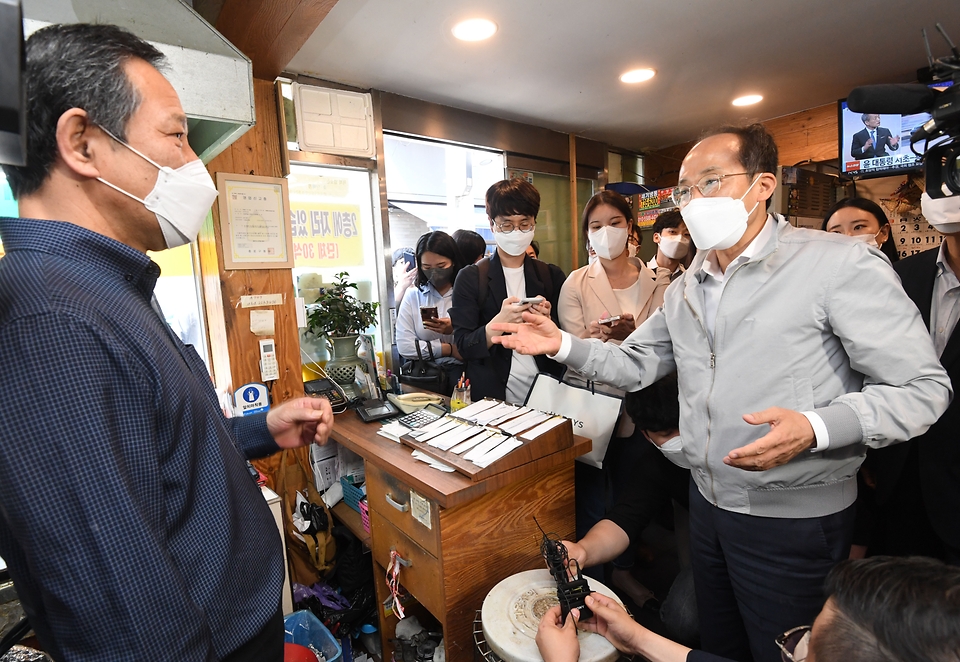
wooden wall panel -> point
(810, 135)
(271, 32)
(662, 167)
(257, 152)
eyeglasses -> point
(794, 644)
(508, 226)
(708, 185)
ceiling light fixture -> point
(748, 100)
(637, 75)
(474, 29)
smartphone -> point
(408, 256)
(536, 301)
(609, 320)
(428, 313)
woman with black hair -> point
(438, 263)
(618, 286)
(865, 220)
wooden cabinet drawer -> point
(422, 577)
(391, 498)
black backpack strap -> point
(483, 284)
(543, 271)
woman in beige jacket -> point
(615, 286)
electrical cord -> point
(317, 368)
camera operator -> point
(926, 470)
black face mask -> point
(439, 277)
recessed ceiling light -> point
(638, 75)
(474, 29)
(748, 100)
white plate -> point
(512, 610)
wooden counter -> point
(469, 536)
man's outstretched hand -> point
(536, 335)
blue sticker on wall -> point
(251, 399)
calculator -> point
(422, 417)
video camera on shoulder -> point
(937, 94)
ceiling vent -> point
(213, 79)
(334, 121)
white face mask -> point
(717, 223)
(672, 444)
(674, 246)
(608, 241)
(632, 250)
(513, 243)
(942, 213)
(180, 199)
(870, 239)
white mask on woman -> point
(608, 241)
(870, 239)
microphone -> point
(904, 99)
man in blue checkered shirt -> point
(128, 520)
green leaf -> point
(336, 312)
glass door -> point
(333, 231)
(559, 244)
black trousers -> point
(757, 577)
(265, 646)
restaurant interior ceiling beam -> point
(270, 32)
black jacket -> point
(939, 448)
(489, 368)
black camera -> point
(940, 98)
(13, 115)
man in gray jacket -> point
(795, 351)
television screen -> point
(878, 145)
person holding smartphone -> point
(501, 288)
(423, 317)
(607, 300)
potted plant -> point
(340, 317)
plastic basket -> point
(365, 515)
(351, 494)
(302, 627)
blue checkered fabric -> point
(129, 522)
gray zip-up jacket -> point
(813, 322)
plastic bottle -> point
(370, 638)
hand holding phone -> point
(535, 301)
(616, 327)
(428, 313)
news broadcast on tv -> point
(873, 145)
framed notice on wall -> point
(254, 222)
